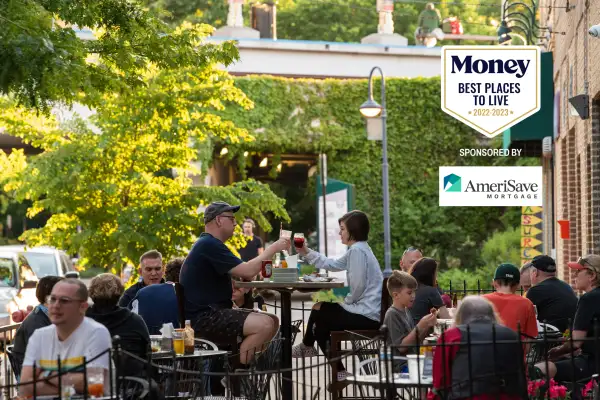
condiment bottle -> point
(189, 338)
(267, 269)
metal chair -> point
(133, 388)
(296, 329)
(14, 363)
(254, 384)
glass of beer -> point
(95, 378)
(298, 240)
(179, 341)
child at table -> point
(402, 332)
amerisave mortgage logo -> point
(490, 186)
(452, 183)
(490, 88)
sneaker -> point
(342, 375)
(303, 351)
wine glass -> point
(298, 240)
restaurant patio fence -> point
(502, 368)
(377, 370)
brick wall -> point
(594, 172)
(577, 156)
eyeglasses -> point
(61, 300)
(231, 217)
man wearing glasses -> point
(206, 279)
(72, 337)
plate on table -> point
(310, 278)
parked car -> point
(21, 268)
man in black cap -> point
(554, 299)
(206, 279)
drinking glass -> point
(298, 240)
(95, 378)
(178, 342)
(155, 342)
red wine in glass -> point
(298, 240)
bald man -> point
(409, 257)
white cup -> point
(292, 261)
(416, 362)
(285, 234)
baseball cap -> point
(591, 261)
(544, 263)
(507, 271)
(217, 208)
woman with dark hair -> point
(37, 319)
(427, 296)
(361, 308)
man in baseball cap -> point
(590, 262)
(554, 299)
(587, 318)
(217, 208)
(516, 312)
(206, 279)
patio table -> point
(285, 290)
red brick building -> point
(576, 148)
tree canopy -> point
(43, 61)
(120, 182)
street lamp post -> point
(372, 109)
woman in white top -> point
(361, 308)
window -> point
(7, 272)
(43, 264)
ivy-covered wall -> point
(312, 116)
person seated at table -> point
(427, 296)
(402, 333)
(157, 304)
(105, 291)
(587, 318)
(468, 365)
(515, 311)
(361, 308)
(206, 279)
(38, 318)
(554, 298)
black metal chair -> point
(133, 388)
(14, 363)
(254, 384)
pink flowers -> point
(537, 390)
(586, 391)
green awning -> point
(527, 133)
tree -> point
(42, 61)
(109, 185)
(112, 184)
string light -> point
(224, 151)
(264, 162)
